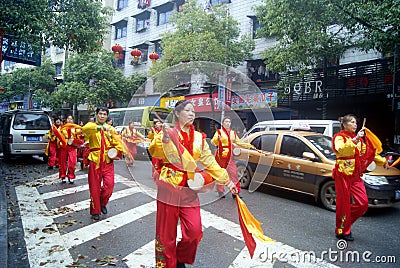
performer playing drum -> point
(131, 136)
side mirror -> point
(309, 156)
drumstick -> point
(363, 125)
(158, 117)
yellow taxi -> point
(302, 161)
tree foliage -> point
(203, 35)
(91, 78)
(78, 25)
(309, 32)
(24, 80)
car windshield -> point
(323, 144)
(31, 121)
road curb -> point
(3, 225)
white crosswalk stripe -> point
(39, 226)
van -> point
(23, 132)
(326, 127)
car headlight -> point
(375, 180)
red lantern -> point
(136, 53)
(117, 49)
(2, 88)
(153, 56)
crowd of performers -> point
(180, 155)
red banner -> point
(202, 102)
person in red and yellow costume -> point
(226, 139)
(155, 130)
(181, 147)
(71, 139)
(102, 139)
(52, 150)
(354, 153)
(131, 136)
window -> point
(164, 11)
(122, 4)
(292, 146)
(216, 2)
(265, 142)
(157, 48)
(58, 68)
(256, 26)
(120, 29)
(163, 17)
(142, 21)
(31, 121)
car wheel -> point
(327, 195)
(244, 176)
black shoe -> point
(50, 167)
(221, 195)
(63, 180)
(70, 181)
(103, 209)
(96, 217)
(348, 237)
(180, 265)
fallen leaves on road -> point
(107, 260)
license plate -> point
(397, 194)
(33, 138)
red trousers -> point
(175, 204)
(233, 175)
(67, 162)
(53, 154)
(351, 202)
(132, 149)
(101, 185)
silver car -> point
(23, 132)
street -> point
(49, 225)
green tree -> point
(78, 25)
(23, 81)
(203, 35)
(91, 78)
(313, 31)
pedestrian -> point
(109, 121)
(102, 138)
(52, 150)
(156, 162)
(72, 134)
(226, 140)
(353, 154)
(181, 148)
(131, 136)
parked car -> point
(326, 127)
(23, 132)
(302, 161)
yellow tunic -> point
(201, 154)
(235, 140)
(92, 133)
(346, 148)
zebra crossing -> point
(58, 231)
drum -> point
(112, 153)
(202, 182)
(371, 166)
(236, 151)
(75, 142)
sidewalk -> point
(3, 225)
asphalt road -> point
(49, 225)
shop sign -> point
(263, 99)
(313, 88)
(170, 102)
(144, 101)
(202, 102)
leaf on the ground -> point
(34, 231)
(49, 230)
